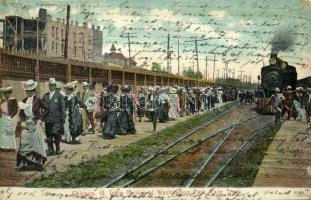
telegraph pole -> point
(206, 67)
(128, 36)
(214, 69)
(196, 54)
(178, 57)
(37, 70)
(129, 45)
(67, 33)
(168, 53)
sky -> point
(239, 33)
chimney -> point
(93, 27)
(84, 24)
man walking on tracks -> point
(55, 118)
(288, 102)
(277, 101)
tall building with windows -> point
(84, 44)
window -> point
(75, 51)
(52, 46)
(62, 48)
(62, 32)
(52, 31)
(56, 30)
(56, 47)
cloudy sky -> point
(237, 32)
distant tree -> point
(156, 67)
(189, 72)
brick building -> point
(85, 44)
(118, 58)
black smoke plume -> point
(283, 40)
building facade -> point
(48, 36)
(118, 58)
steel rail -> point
(190, 182)
(229, 160)
(178, 140)
(150, 170)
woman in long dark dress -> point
(112, 125)
(127, 110)
(73, 122)
(31, 153)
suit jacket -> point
(39, 109)
(57, 109)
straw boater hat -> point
(52, 81)
(59, 85)
(29, 85)
(277, 89)
(173, 90)
(7, 88)
(70, 85)
(85, 84)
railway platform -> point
(287, 162)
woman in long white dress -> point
(8, 110)
(31, 154)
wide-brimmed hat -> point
(109, 88)
(70, 85)
(85, 84)
(126, 88)
(115, 88)
(52, 81)
(173, 90)
(277, 89)
(59, 85)
(7, 88)
(288, 87)
(29, 85)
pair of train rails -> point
(190, 182)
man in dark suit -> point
(55, 118)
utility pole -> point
(178, 57)
(218, 71)
(196, 54)
(168, 53)
(214, 69)
(37, 70)
(129, 44)
(128, 36)
(67, 33)
(206, 67)
(240, 77)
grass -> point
(242, 171)
(100, 171)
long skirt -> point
(67, 135)
(126, 121)
(7, 133)
(112, 125)
(31, 151)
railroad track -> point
(140, 171)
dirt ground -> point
(91, 147)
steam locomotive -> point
(278, 74)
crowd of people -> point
(296, 103)
(65, 114)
